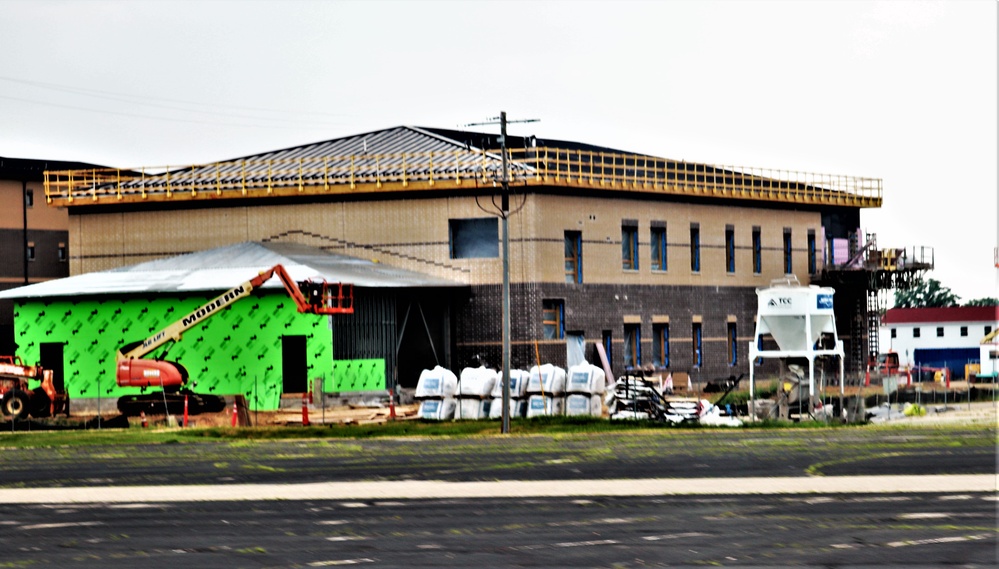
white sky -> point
(903, 91)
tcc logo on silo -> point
(780, 301)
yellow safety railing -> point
(433, 170)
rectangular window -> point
(553, 314)
(812, 268)
(988, 330)
(730, 249)
(757, 251)
(915, 332)
(657, 244)
(894, 333)
(733, 352)
(697, 357)
(788, 266)
(62, 252)
(964, 331)
(629, 247)
(660, 352)
(29, 198)
(30, 253)
(476, 238)
(632, 346)
(695, 247)
(573, 257)
(939, 331)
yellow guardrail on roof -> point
(541, 166)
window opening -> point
(660, 354)
(476, 238)
(698, 353)
(632, 346)
(733, 354)
(757, 251)
(788, 265)
(730, 249)
(573, 257)
(553, 315)
(657, 244)
(695, 248)
(629, 248)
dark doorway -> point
(294, 364)
(50, 357)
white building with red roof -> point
(938, 337)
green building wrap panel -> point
(238, 351)
(358, 375)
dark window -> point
(657, 244)
(632, 346)
(788, 265)
(730, 250)
(915, 332)
(964, 331)
(811, 253)
(757, 251)
(660, 352)
(629, 248)
(553, 312)
(573, 257)
(894, 333)
(733, 352)
(939, 331)
(30, 252)
(988, 330)
(476, 238)
(695, 248)
(62, 252)
(29, 198)
(697, 357)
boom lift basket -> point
(327, 298)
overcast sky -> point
(903, 91)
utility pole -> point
(504, 214)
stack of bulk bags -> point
(435, 391)
(546, 391)
(518, 388)
(474, 390)
(585, 387)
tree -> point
(926, 294)
(987, 301)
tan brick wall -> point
(413, 234)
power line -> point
(141, 99)
(157, 118)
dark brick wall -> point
(591, 309)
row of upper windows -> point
(917, 333)
(659, 260)
(478, 238)
(553, 322)
(30, 252)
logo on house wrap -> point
(199, 314)
(824, 301)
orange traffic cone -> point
(391, 404)
(305, 409)
(185, 410)
(867, 378)
(235, 414)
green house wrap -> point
(240, 350)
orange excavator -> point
(172, 379)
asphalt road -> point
(883, 527)
(666, 454)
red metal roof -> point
(949, 314)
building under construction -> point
(657, 260)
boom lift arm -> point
(312, 297)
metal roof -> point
(225, 267)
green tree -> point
(926, 294)
(987, 301)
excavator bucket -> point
(328, 298)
